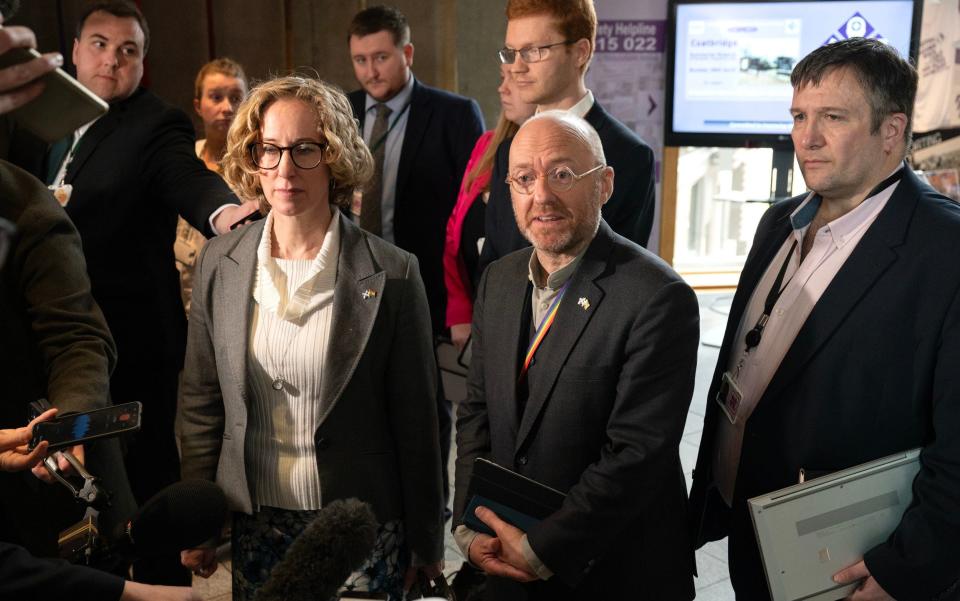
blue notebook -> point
(518, 500)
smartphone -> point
(78, 428)
(63, 106)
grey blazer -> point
(377, 438)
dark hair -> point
(381, 18)
(888, 80)
(121, 9)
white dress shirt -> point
(805, 283)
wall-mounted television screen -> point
(729, 63)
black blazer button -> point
(322, 444)
(522, 460)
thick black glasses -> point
(305, 155)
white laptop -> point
(810, 531)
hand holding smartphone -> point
(62, 106)
(79, 428)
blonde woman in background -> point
(221, 85)
(465, 228)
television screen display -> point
(729, 63)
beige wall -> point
(455, 40)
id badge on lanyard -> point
(730, 397)
(61, 192)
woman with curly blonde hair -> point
(310, 373)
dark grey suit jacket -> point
(609, 392)
(377, 440)
(873, 371)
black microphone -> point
(182, 516)
(8, 8)
(336, 543)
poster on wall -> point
(627, 73)
(938, 61)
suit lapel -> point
(356, 301)
(571, 320)
(103, 127)
(238, 268)
(417, 120)
(503, 335)
(872, 257)
(766, 249)
(596, 117)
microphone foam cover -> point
(181, 516)
(337, 542)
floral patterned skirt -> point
(260, 540)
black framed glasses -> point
(559, 179)
(530, 54)
(305, 155)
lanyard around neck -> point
(542, 330)
(754, 336)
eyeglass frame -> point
(321, 145)
(510, 181)
(540, 55)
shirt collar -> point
(582, 107)
(846, 225)
(397, 102)
(556, 279)
(273, 297)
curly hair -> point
(346, 155)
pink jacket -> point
(459, 305)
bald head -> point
(559, 182)
(569, 126)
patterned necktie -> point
(370, 217)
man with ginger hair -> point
(548, 48)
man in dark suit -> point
(421, 139)
(596, 408)
(424, 149)
(850, 296)
(123, 179)
(548, 48)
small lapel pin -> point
(584, 303)
(369, 293)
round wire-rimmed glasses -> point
(559, 179)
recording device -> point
(184, 515)
(79, 428)
(337, 542)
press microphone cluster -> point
(337, 542)
(184, 515)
